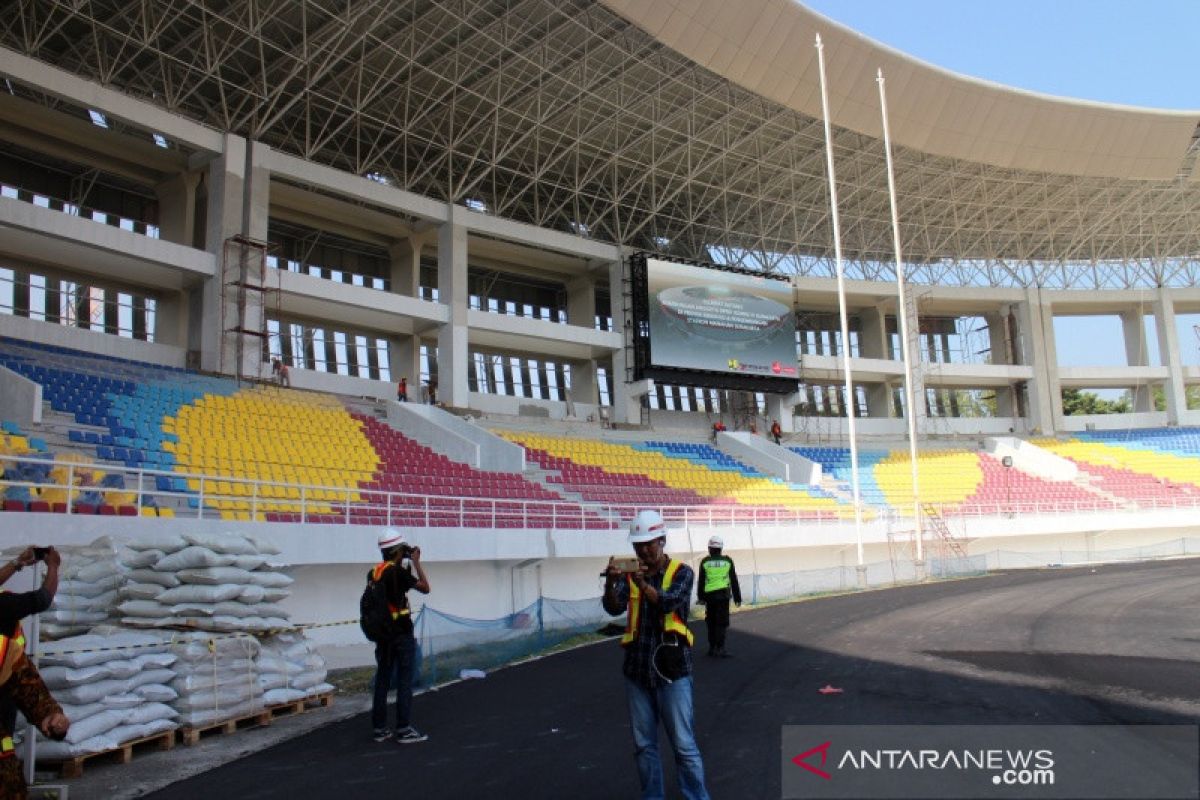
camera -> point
(627, 564)
(40, 553)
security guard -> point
(716, 583)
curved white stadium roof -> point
(686, 126)
(767, 47)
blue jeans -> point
(673, 705)
(394, 661)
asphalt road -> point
(1111, 644)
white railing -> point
(208, 496)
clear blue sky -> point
(1114, 51)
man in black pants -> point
(397, 654)
(716, 584)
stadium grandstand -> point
(461, 195)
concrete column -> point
(997, 337)
(783, 408)
(581, 311)
(406, 266)
(1035, 321)
(171, 319)
(913, 323)
(453, 292)
(1137, 354)
(873, 336)
(1001, 353)
(1168, 345)
(404, 361)
(177, 208)
(624, 405)
(230, 212)
(581, 302)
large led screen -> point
(717, 321)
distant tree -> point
(1191, 395)
(1080, 403)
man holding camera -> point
(396, 654)
(21, 686)
(658, 656)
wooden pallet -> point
(259, 718)
(73, 767)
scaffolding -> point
(245, 297)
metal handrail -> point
(320, 503)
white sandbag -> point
(66, 677)
(79, 588)
(221, 669)
(213, 681)
(262, 544)
(227, 543)
(322, 688)
(72, 616)
(74, 602)
(239, 609)
(194, 718)
(307, 680)
(143, 608)
(154, 660)
(249, 563)
(156, 693)
(99, 647)
(140, 591)
(152, 622)
(271, 580)
(271, 680)
(275, 594)
(166, 542)
(149, 712)
(252, 593)
(127, 733)
(190, 610)
(225, 696)
(213, 576)
(139, 559)
(191, 593)
(98, 690)
(102, 570)
(95, 725)
(60, 751)
(191, 557)
(164, 579)
(191, 648)
(79, 713)
(276, 696)
(122, 701)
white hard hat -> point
(646, 527)
(716, 542)
(391, 538)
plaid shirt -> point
(639, 656)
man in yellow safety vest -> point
(21, 686)
(718, 584)
(658, 656)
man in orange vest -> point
(397, 655)
(20, 684)
(658, 656)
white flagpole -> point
(910, 408)
(841, 286)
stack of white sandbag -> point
(289, 669)
(208, 582)
(216, 677)
(112, 685)
(87, 588)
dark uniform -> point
(717, 584)
(21, 687)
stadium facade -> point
(451, 191)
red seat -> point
(14, 505)
(39, 505)
(108, 511)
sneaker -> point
(382, 734)
(410, 735)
